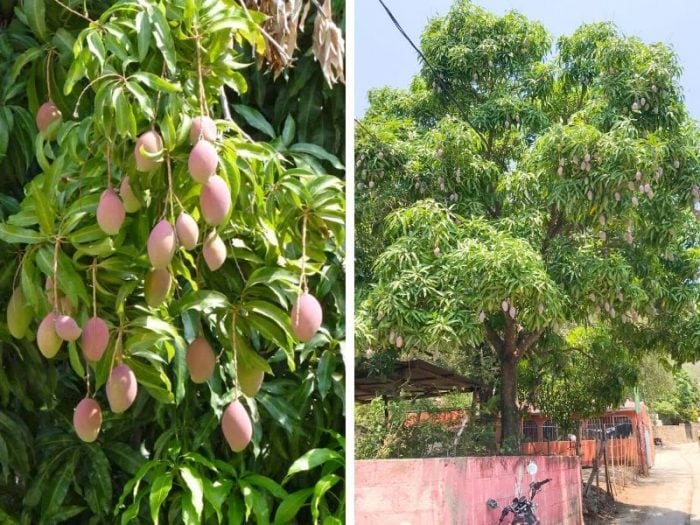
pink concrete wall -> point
(453, 491)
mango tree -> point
(516, 190)
(175, 272)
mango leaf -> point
(318, 152)
(25, 58)
(16, 235)
(200, 300)
(162, 37)
(291, 505)
(255, 503)
(322, 486)
(153, 379)
(36, 17)
(312, 459)
(155, 82)
(160, 488)
(255, 119)
(216, 493)
(61, 481)
(124, 457)
(193, 481)
(100, 479)
(143, 30)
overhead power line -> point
(438, 76)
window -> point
(530, 431)
(549, 431)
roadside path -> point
(671, 493)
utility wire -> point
(438, 76)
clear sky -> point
(383, 57)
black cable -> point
(438, 76)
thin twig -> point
(76, 13)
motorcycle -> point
(523, 508)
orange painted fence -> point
(619, 451)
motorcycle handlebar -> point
(539, 484)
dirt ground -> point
(670, 495)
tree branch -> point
(553, 227)
(525, 342)
(494, 340)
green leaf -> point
(155, 82)
(5, 128)
(160, 488)
(44, 209)
(74, 358)
(153, 379)
(100, 478)
(96, 47)
(216, 493)
(324, 373)
(280, 410)
(14, 235)
(143, 30)
(125, 457)
(268, 484)
(289, 130)
(60, 484)
(200, 301)
(64, 514)
(322, 486)
(193, 481)
(36, 17)
(255, 119)
(25, 58)
(256, 503)
(145, 102)
(291, 505)
(312, 459)
(126, 123)
(318, 152)
(162, 37)
(71, 283)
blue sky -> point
(383, 57)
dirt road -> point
(671, 493)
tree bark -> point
(510, 419)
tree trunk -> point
(510, 420)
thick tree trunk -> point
(510, 419)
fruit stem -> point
(234, 314)
(48, 72)
(202, 100)
(170, 190)
(94, 287)
(117, 355)
(56, 246)
(109, 165)
(303, 283)
(87, 377)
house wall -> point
(683, 433)
(455, 490)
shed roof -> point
(416, 378)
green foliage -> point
(400, 435)
(547, 189)
(132, 67)
(682, 403)
(593, 374)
